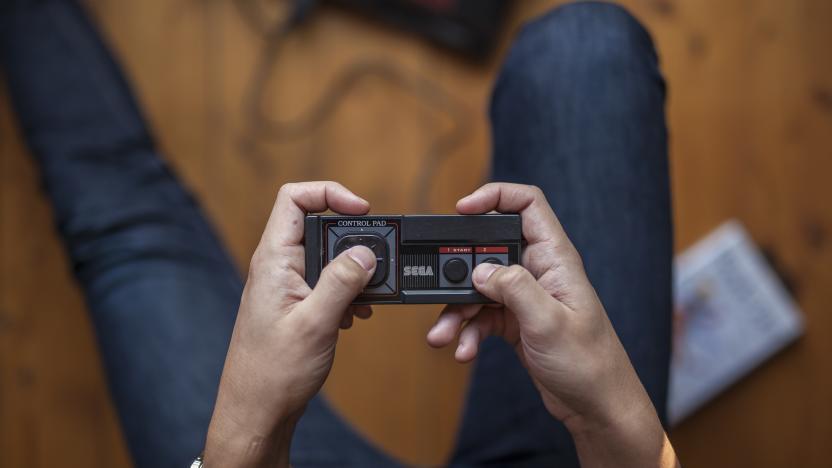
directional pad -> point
(373, 242)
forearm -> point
(637, 440)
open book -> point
(732, 313)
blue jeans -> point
(578, 110)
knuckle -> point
(259, 265)
(286, 193)
(514, 277)
(266, 263)
(537, 192)
(287, 188)
(577, 261)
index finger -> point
(539, 221)
(286, 223)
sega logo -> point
(420, 270)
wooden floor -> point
(750, 110)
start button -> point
(455, 270)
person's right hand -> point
(550, 313)
(284, 338)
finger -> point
(340, 282)
(539, 221)
(486, 323)
(550, 255)
(286, 223)
(363, 311)
(346, 321)
(537, 312)
(351, 309)
(449, 322)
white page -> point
(733, 313)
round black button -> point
(455, 270)
(493, 260)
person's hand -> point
(284, 339)
(549, 312)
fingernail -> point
(483, 271)
(363, 256)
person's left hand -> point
(284, 339)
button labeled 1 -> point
(455, 270)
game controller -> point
(420, 259)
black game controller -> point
(420, 259)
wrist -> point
(627, 433)
(232, 444)
(630, 437)
(241, 436)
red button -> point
(492, 249)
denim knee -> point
(575, 44)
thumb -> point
(341, 281)
(537, 312)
